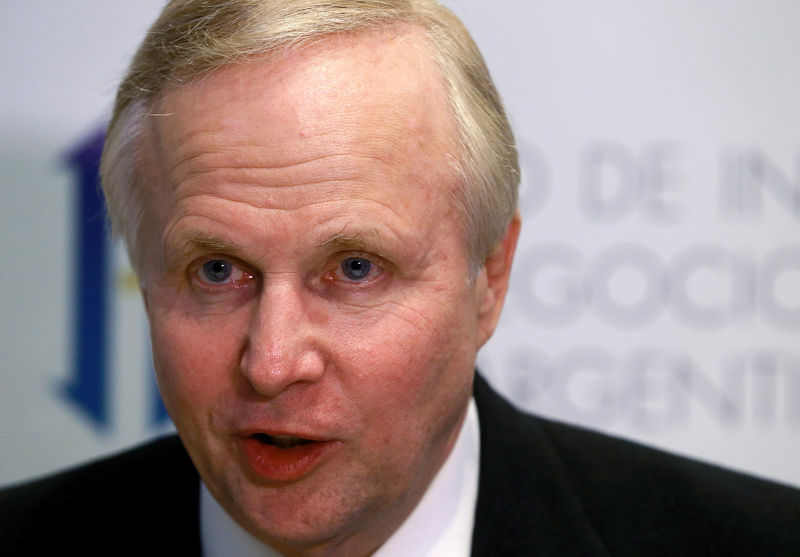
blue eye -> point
(217, 270)
(356, 268)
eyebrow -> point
(344, 241)
(203, 243)
(366, 240)
(209, 243)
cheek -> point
(413, 387)
(420, 361)
(191, 364)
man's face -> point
(314, 329)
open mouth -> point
(281, 441)
(284, 458)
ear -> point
(496, 270)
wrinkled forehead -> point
(309, 116)
(387, 76)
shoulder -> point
(110, 506)
(628, 498)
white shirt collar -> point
(440, 524)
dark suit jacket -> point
(545, 489)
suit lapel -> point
(526, 505)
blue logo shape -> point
(88, 387)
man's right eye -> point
(217, 270)
(223, 272)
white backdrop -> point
(657, 290)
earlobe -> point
(497, 271)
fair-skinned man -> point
(319, 200)
(308, 279)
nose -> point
(282, 347)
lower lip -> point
(284, 465)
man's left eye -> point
(356, 268)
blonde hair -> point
(192, 38)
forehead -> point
(354, 117)
(368, 88)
